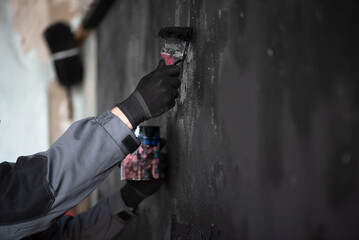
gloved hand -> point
(154, 94)
(135, 191)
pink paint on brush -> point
(169, 60)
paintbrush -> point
(64, 44)
(175, 44)
(65, 54)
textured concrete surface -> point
(263, 139)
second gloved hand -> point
(155, 94)
(134, 192)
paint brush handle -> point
(92, 19)
(97, 11)
(80, 35)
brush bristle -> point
(69, 71)
(179, 33)
(59, 37)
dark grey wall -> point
(263, 141)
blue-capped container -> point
(143, 164)
(149, 135)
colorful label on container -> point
(142, 164)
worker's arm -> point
(40, 188)
(106, 219)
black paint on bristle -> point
(59, 37)
(179, 33)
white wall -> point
(23, 94)
(30, 117)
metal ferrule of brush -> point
(175, 44)
(65, 54)
(175, 49)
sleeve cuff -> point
(118, 207)
(119, 132)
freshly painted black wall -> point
(264, 140)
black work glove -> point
(135, 191)
(154, 94)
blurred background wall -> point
(24, 77)
(33, 106)
(263, 141)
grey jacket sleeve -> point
(104, 221)
(41, 188)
